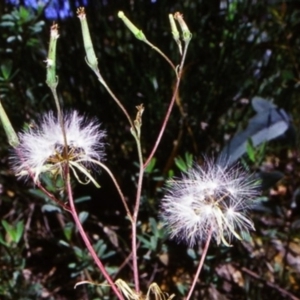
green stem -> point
(117, 187)
(135, 217)
(118, 102)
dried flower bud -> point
(138, 120)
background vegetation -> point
(240, 49)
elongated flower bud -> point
(10, 133)
(51, 60)
(175, 32)
(186, 34)
(87, 41)
(137, 32)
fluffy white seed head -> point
(209, 199)
(42, 149)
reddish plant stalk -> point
(88, 243)
(201, 262)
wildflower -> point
(209, 200)
(42, 148)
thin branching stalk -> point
(141, 36)
(170, 108)
(138, 33)
(117, 187)
(135, 217)
(201, 262)
(135, 125)
(92, 61)
(86, 240)
(52, 83)
(162, 54)
(115, 98)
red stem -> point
(163, 127)
(73, 212)
(88, 244)
(201, 262)
(166, 119)
(39, 185)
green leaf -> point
(186, 163)
(6, 68)
(7, 24)
(147, 244)
(19, 231)
(15, 232)
(108, 254)
(192, 254)
(50, 208)
(2, 241)
(39, 194)
(153, 241)
(68, 230)
(250, 150)
(83, 216)
(151, 165)
(78, 252)
(82, 199)
(8, 228)
(64, 243)
(171, 174)
(179, 162)
(153, 225)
